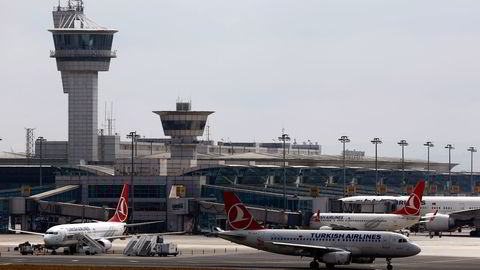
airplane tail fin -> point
(317, 217)
(121, 213)
(412, 206)
(239, 218)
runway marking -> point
(441, 261)
(132, 261)
(75, 260)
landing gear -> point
(314, 264)
(54, 252)
(389, 264)
(475, 233)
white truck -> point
(165, 249)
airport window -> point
(104, 191)
(149, 191)
(183, 125)
(150, 206)
(83, 41)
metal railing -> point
(83, 53)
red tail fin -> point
(412, 206)
(239, 218)
(121, 214)
(317, 217)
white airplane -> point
(439, 213)
(400, 219)
(68, 235)
(329, 247)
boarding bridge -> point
(85, 240)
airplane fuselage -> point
(359, 243)
(67, 234)
(430, 204)
(363, 222)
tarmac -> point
(448, 252)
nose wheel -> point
(314, 264)
(389, 264)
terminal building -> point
(180, 178)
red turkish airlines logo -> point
(239, 217)
(413, 205)
(122, 210)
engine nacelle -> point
(107, 244)
(337, 257)
(363, 259)
(439, 223)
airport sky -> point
(399, 69)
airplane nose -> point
(47, 239)
(415, 249)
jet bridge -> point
(53, 204)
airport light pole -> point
(472, 150)
(284, 138)
(403, 143)
(344, 140)
(450, 148)
(41, 140)
(428, 145)
(376, 142)
(133, 135)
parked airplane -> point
(94, 233)
(329, 247)
(400, 219)
(451, 212)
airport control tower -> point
(183, 126)
(82, 49)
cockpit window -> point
(402, 240)
(54, 233)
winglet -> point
(414, 202)
(10, 224)
(239, 218)
(121, 213)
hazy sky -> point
(320, 69)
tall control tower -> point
(82, 49)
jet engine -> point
(439, 223)
(363, 259)
(337, 257)
(107, 244)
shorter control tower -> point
(183, 126)
(82, 49)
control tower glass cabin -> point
(82, 49)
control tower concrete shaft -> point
(82, 49)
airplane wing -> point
(143, 223)
(20, 231)
(465, 214)
(26, 232)
(340, 227)
(308, 249)
(132, 235)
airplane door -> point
(462, 206)
(386, 241)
